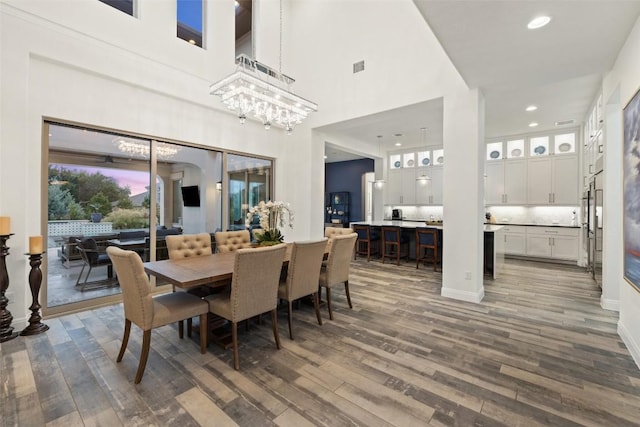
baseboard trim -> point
(632, 345)
(474, 297)
(609, 304)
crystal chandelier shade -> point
(164, 151)
(246, 93)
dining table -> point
(214, 271)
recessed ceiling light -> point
(325, 157)
(538, 22)
(531, 108)
(533, 124)
(398, 144)
(397, 134)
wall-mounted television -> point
(191, 196)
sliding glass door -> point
(106, 189)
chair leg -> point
(204, 337)
(290, 316)
(125, 339)
(80, 275)
(180, 329)
(189, 326)
(144, 355)
(234, 337)
(274, 325)
(329, 303)
(346, 290)
(316, 305)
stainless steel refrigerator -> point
(594, 227)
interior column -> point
(463, 196)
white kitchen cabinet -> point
(515, 240)
(552, 180)
(429, 192)
(401, 187)
(553, 242)
(506, 182)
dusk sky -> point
(137, 181)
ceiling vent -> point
(565, 122)
(358, 66)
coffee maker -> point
(396, 214)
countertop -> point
(536, 224)
(489, 228)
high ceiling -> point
(558, 68)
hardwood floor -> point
(537, 351)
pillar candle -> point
(5, 223)
(35, 244)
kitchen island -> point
(493, 241)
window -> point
(105, 189)
(125, 6)
(190, 21)
(249, 184)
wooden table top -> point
(191, 272)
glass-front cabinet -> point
(415, 177)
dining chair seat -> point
(427, 246)
(303, 274)
(336, 270)
(148, 312)
(368, 242)
(187, 246)
(254, 290)
(393, 240)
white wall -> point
(625, 78)
(84, 67)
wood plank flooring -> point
(538, 350)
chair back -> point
(230, 241)
(134, 283)
(427, 237)
(188, 245)
(89, 249)
(331, 232)
(391, 234)
(304, 268)
(339, 259)
(256, 276)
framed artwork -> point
(631, 189)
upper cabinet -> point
(594, 140)
(532, 170)
(405, 185)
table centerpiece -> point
(272, 216)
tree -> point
(125, 203)
(100, 203)
(59, 201)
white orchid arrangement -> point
(272, 215)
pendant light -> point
(424, 178)
(379, 183)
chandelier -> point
(249, 91)
(163, 150)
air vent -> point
(358, 66)
(565, 122)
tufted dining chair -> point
(337, 267)
(229, 241)
(149, 312)
(303, 274)
(187, 246)
(331, 232)
(254, 290)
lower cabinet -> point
(553, 242)
(515, 240)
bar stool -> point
(427, 246)
(392, 242)
(368, 242)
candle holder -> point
(6, 331)
(35, 281)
